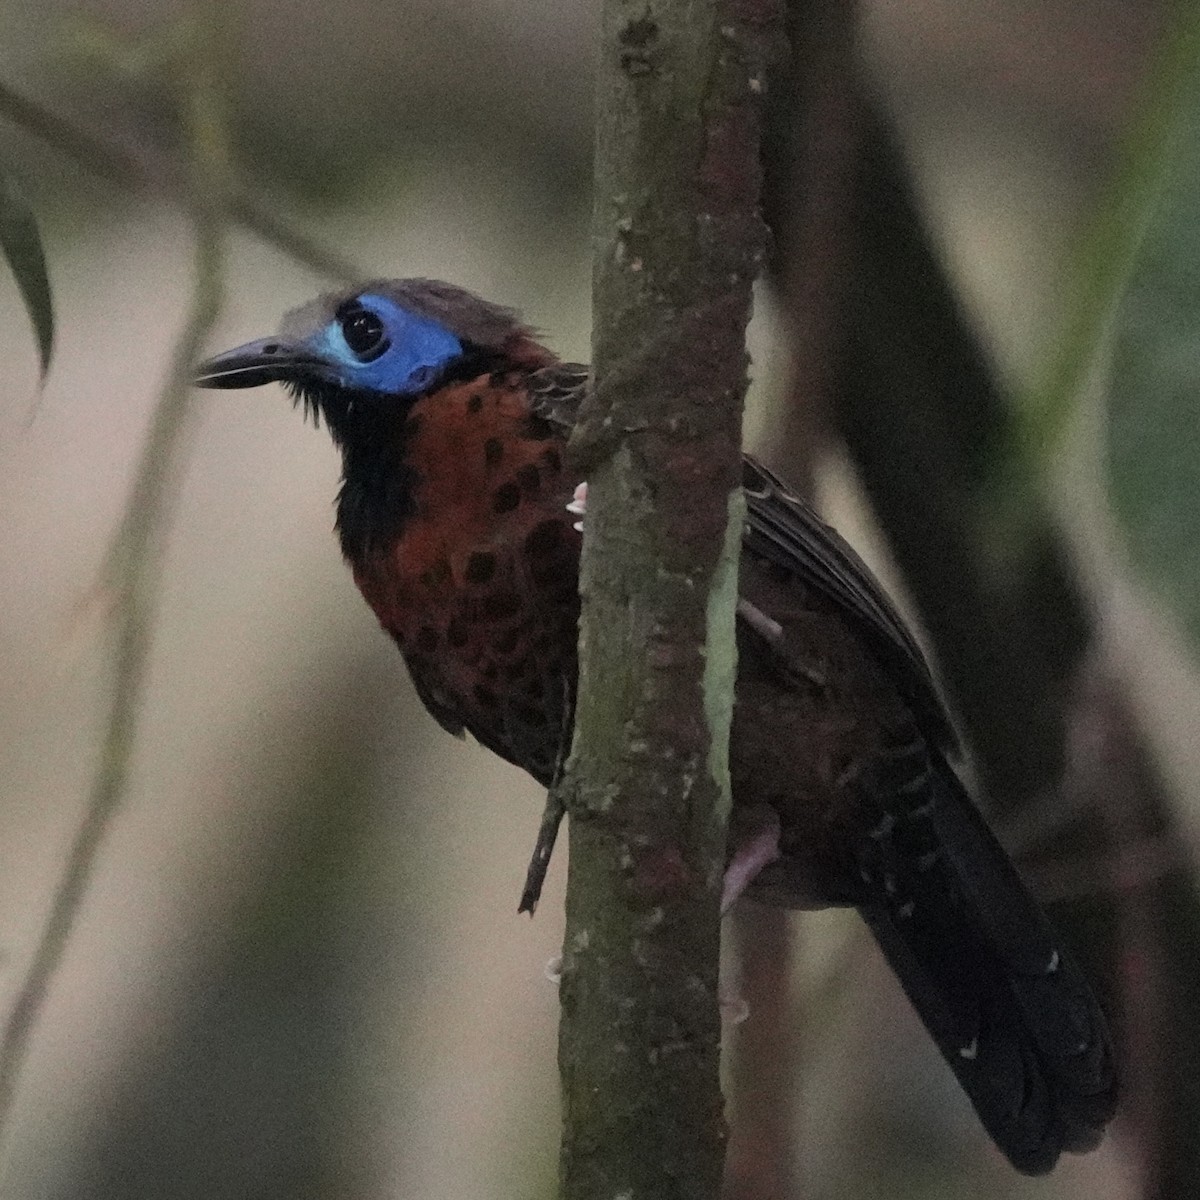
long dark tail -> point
(1010, 1012)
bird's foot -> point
(757, 844)
(578, 505)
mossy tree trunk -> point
(678, 243)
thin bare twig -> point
(133, 567)
(761, 1158)
(134, 173)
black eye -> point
(363, 332)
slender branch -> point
(133, 566)
(133, 173)
(254, 214)
(765, 1053)
(678, 244)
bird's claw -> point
(753, 850)
(578, 505)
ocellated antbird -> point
(453, 515)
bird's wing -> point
(1011, 1013)
(557, 391)
(783, 529)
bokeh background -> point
(299, 971)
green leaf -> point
(1109, 247)
(21, 245)
(1154, 381)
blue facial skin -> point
(419, 352)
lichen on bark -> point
(678, 243)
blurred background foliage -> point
(298, 971)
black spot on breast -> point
(480, 567)
(475, 403)
(545, 571)
(552, 459)
(484, 695)
(538, 429)
(437, 574)
(493, 451)
(506, 498)
(529, 479)
(506, 642)
(499, 606)
(543, 539)
(457, 633)
(427, 639)
(557, 571)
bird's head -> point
(370, 351)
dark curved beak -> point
(264, 361)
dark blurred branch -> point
(936, 446)
(809, 174)
(934, 441)
(134, 173)
(131, 573)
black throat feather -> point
(377, 496)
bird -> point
(458, 517)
